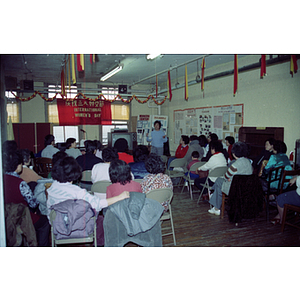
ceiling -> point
(136, 68)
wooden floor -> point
(195, 227)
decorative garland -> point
(99, 97)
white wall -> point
(270, 102)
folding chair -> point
(176, 163)
(55, 240)
(86, 180)
(287, 175)
(275, 175)
(161, 195)
(100, 186)
(216, 172)
(189, 182)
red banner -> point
(263, 70)
(235, 75)
(83, 112)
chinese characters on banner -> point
(83, 112)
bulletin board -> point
(223, 120)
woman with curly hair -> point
(120, 176)
(156, 179)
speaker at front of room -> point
(122, 89)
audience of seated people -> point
(120, 176)
(71, 148)
(217, 159)
(121, 145)
(89, 159)
(241, 166)
(49, 149)
(181, 150)
(138, 168)
(211, 137)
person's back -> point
(88, 160)
(193, 146)
(49, 149)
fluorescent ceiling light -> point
(111, 73)
(152, 56)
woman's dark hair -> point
(26, 154)
(203, 140)
(157, 122)
(49, 138)
(119, 171)
(58, 155)
(280, 146)
(186, 139)
(11, 160)
(109, 154)
(140, 153)
(90, 146)
(240, 149)
(230, 139)
(154, 164)
(10, 145)
(98, 144)
(271, 141)
(195, 154)
(66, 170)
(121, 145)
(69, 142)
(216, 145)
(213, 137)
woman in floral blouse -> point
(156, 179)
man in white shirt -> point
(49, 149)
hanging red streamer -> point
(294, 66)
(263, 70)
(169, 85)
(235, 83)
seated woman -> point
(28, 175)
(138, 168)
(203, 142)
(100, 171)
(71, 149)
(241, 166)
(156, 179)
(277, 159)
(217, 159)
(291, 197)
(120, 176)
(121, 145)
(65, 172)
(229, 141)
(181, 149)
(16, 190)
(99, 148)
(263, 156)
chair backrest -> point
(196, 165)
(164, 158)
(161, 195)
(139, 180)
(42, 166)
(286, 177)
(86, 176)
(100, 186)
(275, 175)
(177, 162)
(218, 171)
